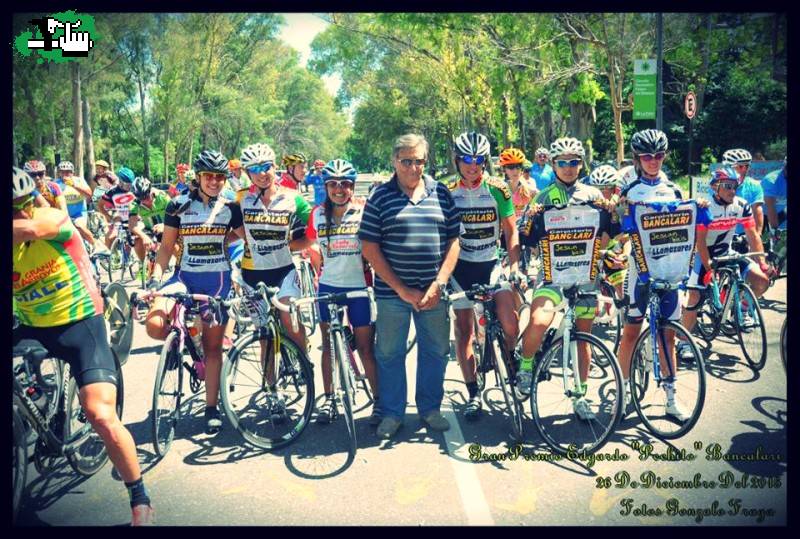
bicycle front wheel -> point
(752, 331)
(346, 390)
(554, 397)
(506, 382)
(19, 460)
(117, 312)
(90, 452)
(167, 394)
(251, 386)
(708, 319)
(650, 396)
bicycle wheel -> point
(783, 344)
(167, 393)
(553, 403)
(19, 461)
(346, 390)
(752, 331)
(607, 325)
(90, 452)
(708, 319)
(506, 381)
(308, 314)
(248, 398)
(650, 398)
(482, 364)
(727, 324)
(117, 312)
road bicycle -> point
(45, 400)
(309, 315)
(652, 363)
(558, 383)
(116, 311)
(267, 381)
(491, 353)
(346, 372)
(181, 353)
(729, 305)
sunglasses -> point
(37, 175)
(25, 203)
(408, 162)
(741, 165)
(647, 157)
(217, 176)
(731, 186)
(561, 163)
(513, 167)
(260, 169)
(473, 159)
(339, 184)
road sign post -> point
(690, 108)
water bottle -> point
(715, 295)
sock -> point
(472, 388)
(137, 493)
(669, 387)
(526, 364)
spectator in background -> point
(758, 156)
(541, 172)
(314, 178)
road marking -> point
(469, 487)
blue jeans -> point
(433, 346)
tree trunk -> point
(547, 116)
(145, 139)
(77, 127)
(519, 112)
(504, 122)
(87, 133)
(33, 116)
(706, 55)
(166, 150)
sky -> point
(300, 30)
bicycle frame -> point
(655, 291)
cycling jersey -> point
(51, 193)
(269, 229)
(238, 182)
(559, 193)
(76, 204)
(543, 175)
(201, 231)
(481, 209)
(724, 217)
(120, 200)
(750, 190)
(52, 279)
(774, 185)
(522, 196)
(155, 213)
(288, 182)
(178, 189)
(343, 266)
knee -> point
(102, 416)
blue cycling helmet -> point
(339, 169)
(125, 175)
(724, 173)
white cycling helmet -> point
(472, 143)
(542, 151)
(566, 146)
(736, 156)
(66, 165)
(21, 183)
(257, 154)
(603, 176)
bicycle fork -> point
(570, 351)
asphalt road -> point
(427, 478)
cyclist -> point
(314, 177)
(76, 192)
(334, 225)
(59, 305)
(274, 223)
(727, 210)
(147, 214)
(749, 189)
(295, 164)
(649, 150)
(200, 221)
(526, 171)
(512, 160)
(541, 172)
(236, 178)
(181, 186)
(567, 155)
(774, 185)
(49, 192)
(605, 178)
(118, 198)
(486, 209)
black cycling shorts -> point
(273, 277)
(467, 274)
(82, 344)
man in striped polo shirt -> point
(409, 233)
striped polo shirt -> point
(412, 236)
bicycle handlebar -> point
(720, 260)
(335, 298)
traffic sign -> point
(690, 105)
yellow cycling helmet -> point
(294, 159)
(512, 156)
